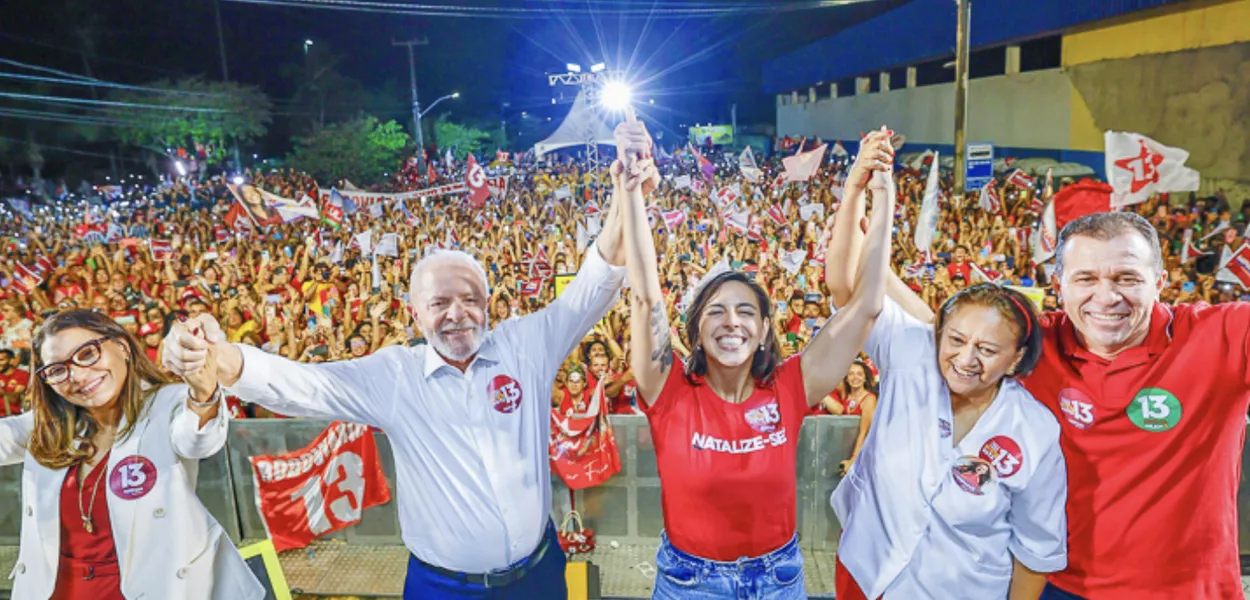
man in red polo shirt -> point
(13, 382)
(1152, 404)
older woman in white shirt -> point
(110, 453)
(960, 488)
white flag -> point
(365, 241)
(375, 210)
(926, 225)
(1138, 167)
(1046, 236)
(388, 245)
(682, 182)
(563, 193)
(807, 211)
(793, 261)
(336, 256)
(583, 237)
(839, 151)
(593, 226)
(746, 164)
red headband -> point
(1028, 323)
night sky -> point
(695, 67)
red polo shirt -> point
(1153, 441)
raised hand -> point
(875, 154)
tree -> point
(206, 115)
(362, 150)
(462, 139)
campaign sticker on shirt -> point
(1154, 409)
(132, 478)
(505, 392)
(1077, 407)
(944, 428)
(764, 418)
(972, 473)
(1004, 453)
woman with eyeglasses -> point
(110, 453)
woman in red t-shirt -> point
(726, 424)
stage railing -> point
(626, 508)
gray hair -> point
(439, 256)
(1106, 225)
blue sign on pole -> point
(979, 166)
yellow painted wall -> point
(1204, 27)
(1190, 29)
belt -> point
(495, 579)
(87, 570)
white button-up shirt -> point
(919, 519)
(474, 484)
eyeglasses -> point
(85, 356)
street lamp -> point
(452, 95)
(307, 43)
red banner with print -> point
(583, 448)
(321, 488)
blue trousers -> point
(544, 581)
(1053, 593)
(777, 575)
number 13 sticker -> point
(132, 478)
(1155, 409)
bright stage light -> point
(238, 180)
(182, 170)
(595, 68)
(616, 95)
(573, 68)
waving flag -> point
(808, 211)
(802, 166)
(705, 166)
(115, 234)
(926, 224)
(989, 201)
(746, 164)
(1138, 167)
(792, 261)
(840, 151)
(475, 180)
(673, 219)
(1046, 236)
(1021, 179)
(775, 213)
(980, 275)
(162, 250)
(1235, 266)
(737, 220)
(532, 288)
(335, 208)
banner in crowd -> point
(562, 281)
(719, 134)
(321, 488)
(583, 450)
(360, 198)
(252, 200)
(1035, 294)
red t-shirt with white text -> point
(727, 471)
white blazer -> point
(168, 546)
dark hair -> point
(8, 352)
(870, 383)
(63, 431)
(1012, 305)
(1106, 225)
(764, 362)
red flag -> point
(1188, 252)
(25, 279)
(475, 179)
(755, 232)
(162, 250)
(303, 494)
(1021, 179)
(989, 201)
(220, 234)
(775, 213)
(1239, 265)
(1085, 197)
(532, 288)
(430, 176)
(236, 218)
(501, 156)
(582, 450)
(673, 219)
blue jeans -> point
(544, 580)
(1053, 593)
(777, 575)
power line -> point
(30, 115)
(67, 150)
(18, 38)
(38, 97)
(677, 12)
(96, 83)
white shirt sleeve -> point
(361, 390)
(14, 435)
(186, 436)
(1039, 521)
(897, 340)
(557, 329)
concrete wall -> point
(1019, 111)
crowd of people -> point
(281, 291)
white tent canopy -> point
(572, 132)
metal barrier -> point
(626, 508)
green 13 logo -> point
(1155, 409)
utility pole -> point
(961, 92)
(416, 104)
(225, 74)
